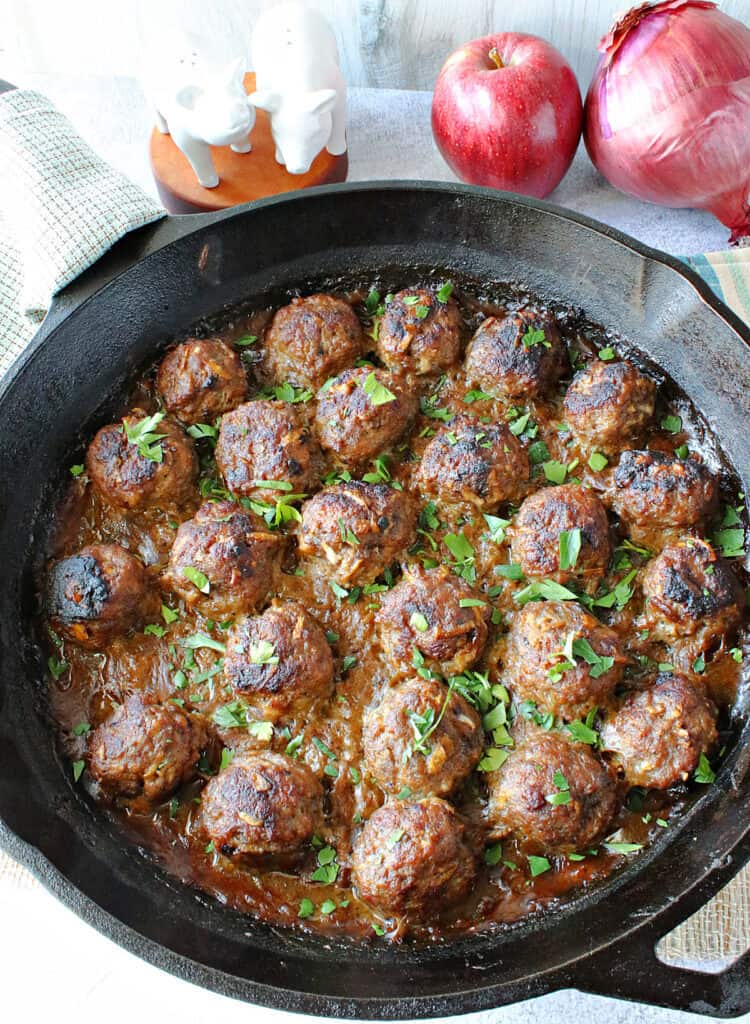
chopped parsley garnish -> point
(306, 908)
(328, 869)
(141, 433)
(704, 773)
(348, 662)
(547, 590)
(533, 336)
(169, 615)
(561, 795)
(493, 854)
(197, 578)
(382, 474)
(77, 470)
(81, 729)
(497, 527)
(583, 732)
(348, 536)
(731, 541)
(538, 453)
(198, 641)
(153, 629)
(395, 837)
(418, 621)
(672, 424)
(471, 602)
(538, 865)
(203, 431)
(323, 748)
(607, 354)
(699, 665)
(246, 340)
(78, 767)
(597, 462)
(555, 471)
(622, 847)
(227, 756)
(377, 393)
(288, 392)
(445, 291)
(463, 555)
(475, 395)
(372, 302)
(263, 653)
(570, 548)
(424, 723)
(57, 666)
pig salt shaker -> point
(299, 83)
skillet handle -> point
(631, 970)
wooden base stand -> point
(243, 176)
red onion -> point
(667, 114)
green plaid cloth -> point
(728, 274)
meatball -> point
(97, 594)
(470, 461)
(262, 804)
(157, 468)
(312, 339)
(401, 751)
(362, 412)
(358, 530)
(262, 441)
(655, 490)
(609, 405)
(526, 794)
(520, 355)
(223, 560)
(690, 591)
(413, 858)
(279, 662)
(145, 749)
(419, 333)
(424, 611)
(564, 682)
(201, 379)
(547, 514)
(658, 735)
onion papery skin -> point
(667, 115)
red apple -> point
(507, 112)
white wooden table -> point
(52, 963)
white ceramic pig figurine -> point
(200, 109)
(299, 83)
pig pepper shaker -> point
(299, 83)
(299, 136)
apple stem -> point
(495, 57)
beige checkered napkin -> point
(61, 208)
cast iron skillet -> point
(153, 286)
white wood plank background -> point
(397, 44)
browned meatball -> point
(160, 471)
(262, 804)
(658, 735)
(312, 339)
(412, 858)
(357, 530)
(279, 662)
(656, 490)
(538, 669)
(233, 550)
(266, 440)
(690, 591)
(520, 355)
(363, 412)
(145, 749)
(419, 333)
(201, 379)
(609, 405)
(423, 737)
(525, 794)
(424, 611)
(544, 516)
(97, 594)
(470, 461)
